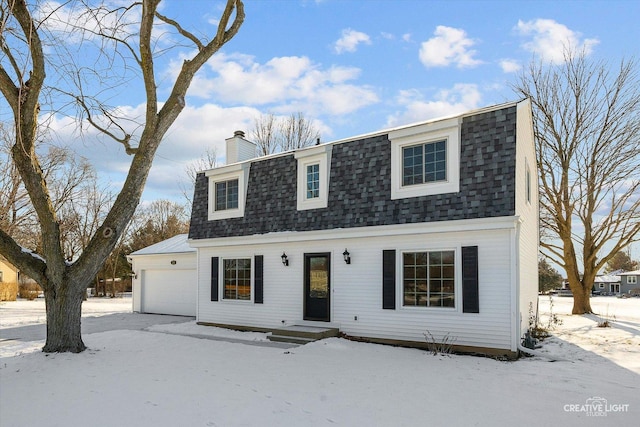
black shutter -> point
(470, 294)
(214, 278)
(258, 279)
(389, 279)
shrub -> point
(444, 346)
(8, 291)
(29, 291)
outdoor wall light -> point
(345, 255)
(173, 262)
(285, 260)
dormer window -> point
(424, 163)
(425, 159)
(226, 195)
(227, 190)
(313, 177)
(313, 181)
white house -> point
(427, 227)
(164, 279)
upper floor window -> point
(424, 163)
(425, 159)
(632, 279)
(314, 164)
(226, 195)
(313, 181)
(227, 190)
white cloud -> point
(550, 39)
(350, 40)
(283, 84)
(449, 46)
(69, 20)
(510, 65)
(462, 97)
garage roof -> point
(175, 244)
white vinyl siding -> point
(357, 287)
(527, 248)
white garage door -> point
(169, 292)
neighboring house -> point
(164, 278)
(607, 284)
(426, 228)
(630, 282)
(8, 280)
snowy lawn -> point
(24, 312)
(158, 378)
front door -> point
(317, 287)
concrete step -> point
(292, 340)
(300, 334)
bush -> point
(8, 291)
(29, 291)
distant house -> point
(8, 280)
(630, 282)
(164, 278)
(426, 227)
(607, 283)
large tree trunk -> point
(581, 298)
(64, 313)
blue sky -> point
(357, 66)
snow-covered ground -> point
(24, 312)
(161, 377)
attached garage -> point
(165, 278)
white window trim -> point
(221, 297)
(448, 130)
(239, 171)
(632, 280)
(320, 155)
(457, 285)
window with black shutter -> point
(470, 292)
(389, 279)
(214, 278)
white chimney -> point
(239, 149)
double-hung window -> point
(226, 195)
(428, 278)
(632, 280)
(313, 181)
(237, 279)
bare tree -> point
(296, 131)
(587, 130)
(207, 161)
(273, 134)
(126, 34)
(67, 178)
(265, 134)
(156, 222)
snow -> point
(25, 312)
(176, 244)
(186, 374)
